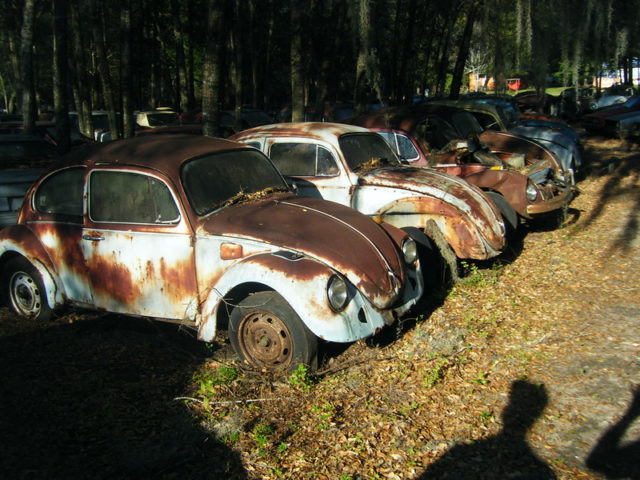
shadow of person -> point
(505, 455)
(95, 399)
(612, 458)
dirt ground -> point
(526, 369)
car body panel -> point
(404, 122)
(402, 196)
(192, 268)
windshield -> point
(361, 149)
(214, 181)
(161, 119)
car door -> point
(58, 206)
(137, 245)
(311, 168)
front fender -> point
(302, 282)
(461, 229)
(19, 240)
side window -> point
(254, 144)
(61, 193)
(407, 148)
(326, 163)
(303, 160)
(128, 197)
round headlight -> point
(337, 293)
(532, 192)
(409, 250)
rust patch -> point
(112, 279)
(180, 277)
(297, 270)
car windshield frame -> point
(218, 179)
(355, 158)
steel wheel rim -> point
(25, 294)
(265, 340)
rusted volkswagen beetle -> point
(355, 167)
(206, 232)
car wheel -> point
(24, 290)
(268, 334)
(511, 220)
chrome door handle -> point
(95, 238)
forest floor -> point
(527, 368)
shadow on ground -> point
(501, 456)
(623, 175)
(94, 399)
(612, 456)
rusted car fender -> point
(453, 217)
(302, 282)
(19, 240)
(510, 185)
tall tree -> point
(106, 83)
(60, 101)
(212, 71)
(463, 49)
(26, 64)
(182, 97)
(296, 54)
(125, 70)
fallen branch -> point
(228, 402)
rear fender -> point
(19, 240)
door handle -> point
(94, 238)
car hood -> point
(450, 189)
(344, 239)
(544, 134)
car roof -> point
(165, 153)
(318, 130)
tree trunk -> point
(26, 64)
(60, 102)
(297, 75)
(182, 98)
(235, 39)
(191, 100)
(79, 65)
(367, 71)
(103, 67)
(463, 51)
(212, 71)
(125, 75)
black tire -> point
(509, 215)
(268, 334)
(24, 290)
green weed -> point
(300, 379)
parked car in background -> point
(521, 190)
(250, 117)
(206, 233)
(626, 125)
(604, 121)
(493, 117)
(567, 106)
(160, 117)
(614, 95)
(23, 158)
(353, 166)
(42, 128)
